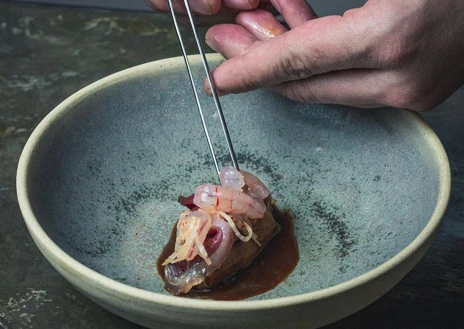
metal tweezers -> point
(211, 83)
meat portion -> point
(180, 277)
(227, 254)
(242, 253)
(224, 230)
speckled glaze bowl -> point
(99, 178)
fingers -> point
(241, 4)
(229, 39)
(202, 7)
(262, 24)
(318, 46)
(206, 7)
(294, 12)
(357, 87)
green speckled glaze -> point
(101, 175)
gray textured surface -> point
(46, 55)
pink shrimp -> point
(223, 199)
(234, 179)
(231, 178)
(256, 187)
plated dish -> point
(215, 246)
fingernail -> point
(201, 7)
(208, 91)
(241, 4)
(250, 5)
(261, 24)
(210, 43)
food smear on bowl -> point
(231, 243)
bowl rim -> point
(108, 284)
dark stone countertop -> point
(47, 54)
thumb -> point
(318, 46)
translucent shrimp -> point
(234, 179)
(192, 229)
(231, 178)
(224, 199)
(257, 189)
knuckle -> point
(393, 45)
(299, 93)
(309, 96)
(397, 98)
(391, 38)
(251, 81)
(408, 98)
(290, 92)
(393, 53)
(294, 64)
(351, 13)
(401, 89)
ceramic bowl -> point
(99, 178)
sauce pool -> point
(271, 267)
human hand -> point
(211, 12)
(406, 54)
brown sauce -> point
(271, 267)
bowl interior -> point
(106, 174)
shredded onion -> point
(254, 237)
(183, 214)
(187, 237)
(184, 241)
(234, 228)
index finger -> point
(318, 46)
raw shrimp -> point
(256, 188)
(234, 179)
(223, 199)
(231, 178)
